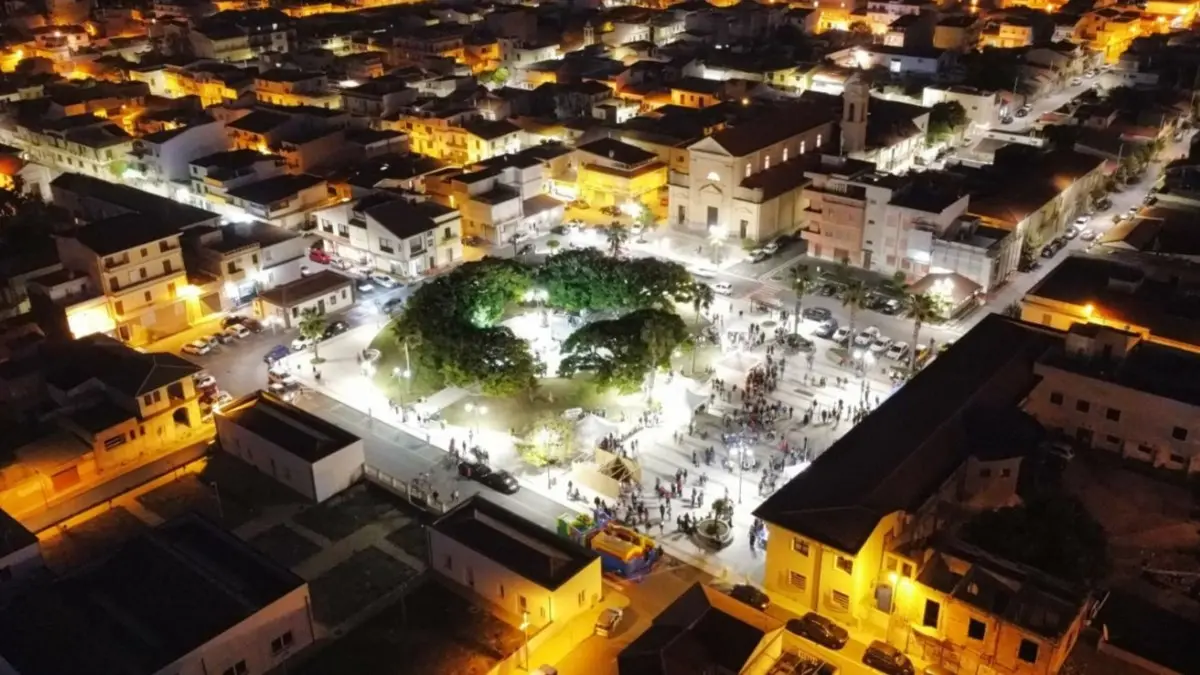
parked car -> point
(747, 594)
(342, 264)
(1076, 81)
(282, 377)
(238, 331)
(363, 285)
(887, 659)
(222, 337)
(1062, 448)
(318, 255)
(1083, 220)
(758, 255)
(866, 336)
(232, 320)
(249, 322)
(211, 340)
(841, 334)
(197, 348)
(335, 328)
(821, 630)
(723, 288)
(1088, 234)
(382, 280)
(890, 307)
(277, 352)
(816, 314)
(579, 204)
(702, 272)
(772, 247)
(301, 343)
(1071, 232)
(881, 345)
(203, 380)
(826, 329)
(897, 351)
(609, 619)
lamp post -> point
(477, 411)
(406, 374)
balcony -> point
(130, 287)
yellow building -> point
(612, 173)
(1110, 30)
(1007, 34)
(849, 537)
(460, 141)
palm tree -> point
(854, 298)
(702, 299)
(921, 309)
(312, 327)
(616, 235)
(803, 283)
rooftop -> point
(239, 235)
(121, 233)
(305, 288)
(902, 452)
(520, 545)
(408, 219)
(276, 188)
(231, 160)
(132, 199)
(259, 121)
(301, 433)
(778, 124)
(123, 613)
(122, 368)
(622, 153)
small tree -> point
(312, 327)
(854, 298)
(645, 218)
(921, 309)
(553, 245)
(945, 120)
(616, 235)
(803, 283)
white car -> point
(238, 331)
(197, 348)
(771, 248)
(1083, 220)
(204, 380)
(897, 351)
(364, 286)
(301, 343)
(702, 272)
(383, 280)
(866, 337)
(723, 287)
(841, 334)
(881, 345)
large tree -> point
(621, 352)
(803, 282)
(945, 120)
(1050, 532)
(312, 328)
(854, 297)
(921, 309)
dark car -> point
(887, 659)
(747, 594)
(335, 328)
(826, 329)
(820, 630)
(393, 305)
(474, 470)
(501, 481)
(817, 314)
(277, 352)
(253, 325)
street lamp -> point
(405, 373)
(716, 235)
(478, 411)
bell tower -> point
(855, 98)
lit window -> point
(766, 162)
(747, 170)
(802, 144)
(712, 175)
(818, 140)
(785, 154)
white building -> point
(515, 564)
(393, 234)
(982, 107)
(247, 258)
(246, 615)
(326, 291)
(163, 158)
(296, 448)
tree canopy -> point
(1050, 532)
(586, 279)
(946, 119)
(620, 352)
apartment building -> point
(214, 82)
(136, 265)
(1010, 32)
(872, 548)
(242, 35)
(123, 610)
(89, 199)
(245, 259)
(284, 201)
(291, 87)
(612, 173)
(95, 408)
(378, 97)
(711, 199)
(459, 136)
(513, 563)
(840, 197)
(161, 159)
(982, 107)
(919, 212)
(1111, 389)
(84, 144)
(391, 233)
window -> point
(1113, 414)
(281, 643)
(785, 154)
(147, 400)
(166, 267)
(797, 580)
(448, 233)
(385, 245)
(766, 162)
(1179, 434)
(157, 396)
(845, 564)
(802, 148)
(985, 473)
(906, 570)
(145, 252)
(522, 604)
(582, 597)
(976, 629)
(840, 599)
(1056, 397)
(1046, 319)
(142, 273)
(1082, 405)
(818, 140)
(238, 668)
(254, 258)
(933, 611)
(1028, 651)
(1178, 459)
(800, 546)
(449, 562)
(502, 590)
(147, 296)
(163, 247)
(230, 267)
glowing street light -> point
(477, 411)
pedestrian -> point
(662, 511)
